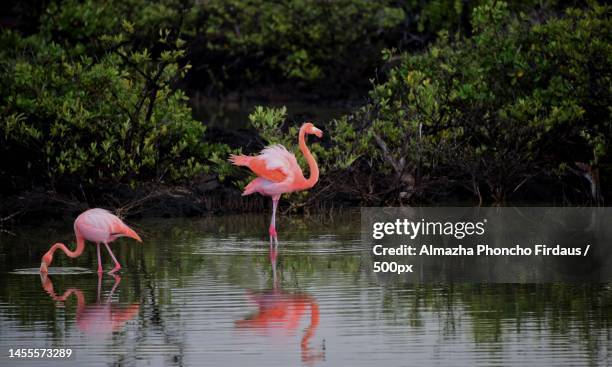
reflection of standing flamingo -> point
(96, 225)
(278, 171)
(99, 318)
(278, 309)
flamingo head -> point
(309, 128)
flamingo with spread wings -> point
(279, 172)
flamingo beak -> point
(317, 132)
(43, 268)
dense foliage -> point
(324, 48)
(476, 99)
(299, 40)
(515, 101)
(520, 103)
(111, 116)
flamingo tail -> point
(239, 160)
(123, 230)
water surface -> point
(209, 291)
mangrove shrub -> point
(522, 102)
(113, 117)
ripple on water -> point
(234, 246)
(53, 271)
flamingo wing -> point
(100, 225)
(94, 224)
(260, 168)
(277, 157)
(274, 163)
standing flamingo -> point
(96, 225)
(278, 171)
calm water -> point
(209, 292)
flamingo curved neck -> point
(48, 258)
(312, 164)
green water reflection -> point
(209, 292)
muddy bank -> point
(201, 197)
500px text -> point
(391, 267)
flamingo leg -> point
(99, 283)
(99, 259)
(272, 230)
(117, 265)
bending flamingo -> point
(278, 171)
(99, 318)
(95, 225)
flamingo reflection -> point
(99, 318)
(283, 310)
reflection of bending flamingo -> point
(99, 318)
(283, 310)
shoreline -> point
(144, 201)
(196, 199)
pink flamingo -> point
(278, 171)
(96, 225)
